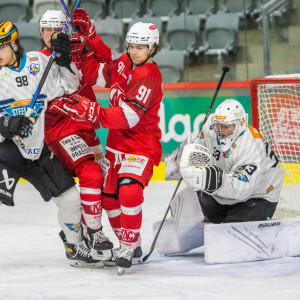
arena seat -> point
(206, 8)
(171, 64)
(233, 6)
(15, 10)
(111, 32)
(221, 34)
(40, 7)
(163, 8)
(30, 36)
(94, 8)
(125, 8)
(183, 33)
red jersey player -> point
(133, 143)
(76, 144)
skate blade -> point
(121, 271)
(101, 255)
(135, 261)
(81, 264)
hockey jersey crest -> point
(18, 87)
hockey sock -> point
(90, 182)
(131, 199)
(113, 211)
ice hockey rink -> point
(33, 265)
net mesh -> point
(278, 106)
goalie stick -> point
(225, 70)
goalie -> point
(232, 175)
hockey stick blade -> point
(225, 70)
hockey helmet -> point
(53, 19)
(8, 33)
(229, 113)
(143, 33)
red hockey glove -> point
(84, 111)
(83, 23)
(81, 47)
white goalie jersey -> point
(18, 87)
(251, 169)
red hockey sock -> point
(90, 182)
(131, 198)
(112, 208)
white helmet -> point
(53, 19)
(143, 33)
(228, 113)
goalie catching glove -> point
(197, 171)
(84, 111)
(15, 125)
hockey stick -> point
(49, 65)
(225, 70)
(67, 13)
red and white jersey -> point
(61, 125)
(135, 98)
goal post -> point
(275, 105)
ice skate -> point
(97, 240)
(80, 254)
(109, 256)
(124, 257)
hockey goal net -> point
(275, 104)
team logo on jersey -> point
(74, 227)
(12, 107)
(133, 158)
(33, 69)
(129, 78)
(240, 176)
(226, 154)
(9, 182)
(117, 95)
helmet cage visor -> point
(225, 129)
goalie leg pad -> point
(252, 241)
(184, 231)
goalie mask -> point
(142, 33)
(230, 121)
(53, 19)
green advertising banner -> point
(181, 115)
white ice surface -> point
(33, 264)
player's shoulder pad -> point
(254, 132)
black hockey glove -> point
(15, 125)
(214, 179)
(60, 43)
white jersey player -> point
(22, 150)
(242, 183)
